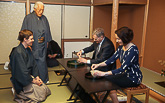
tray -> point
(74, 64)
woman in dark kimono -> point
(53, 52)
(25, 76)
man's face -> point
(39, 10)
(29, 41)
(97, 39)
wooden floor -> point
(59, 94)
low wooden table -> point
(90, 86)
(63, 62)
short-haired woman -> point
(129, 74)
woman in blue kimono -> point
(129, 74)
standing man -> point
(39, 25)
(103, 49)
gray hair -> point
(37, 3)
(98, 32)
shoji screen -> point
(76, 22)
(11, 18)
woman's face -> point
(118, 40)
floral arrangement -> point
(162, 62)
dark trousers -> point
(122, 80)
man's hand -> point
(94, 66)
(79, 54)
(82, 60)
(37, 81)
(52, 56)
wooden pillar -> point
(114, 20)
(91, 20)
(144, 33)
(27, 7)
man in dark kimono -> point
(103, 49)
(25, 77)
(38, 24)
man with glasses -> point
(39, 25)
(103, 48)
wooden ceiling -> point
(84, 2)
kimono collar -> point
(21, 45)
(36, 15)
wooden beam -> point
(114, 24)
(144, 32)
(133, 2)
(27, 7)
(91, 22)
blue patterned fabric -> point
(129, 63)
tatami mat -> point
(5, 81)
(3, 71)
(60, 94)
(6, 96)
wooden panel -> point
(102, 2)
(102, 18)
(15, 0)
(105, 2)
(49, 1)
(78, 2)
(132, 1)
(154, 46)
(132, 16)
(44, 1)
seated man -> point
(53, 52)
(27, 84)
(103, 49)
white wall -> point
(70, 47)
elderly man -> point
(25, 77)
(38, 24)
(103, 49)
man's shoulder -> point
(107, 41)
(44, 17)
(29, 16)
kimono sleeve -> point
(19, 69)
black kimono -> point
(53, 48)
(40, 28)
(23, 65)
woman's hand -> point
(94, 66)
(99, 73)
